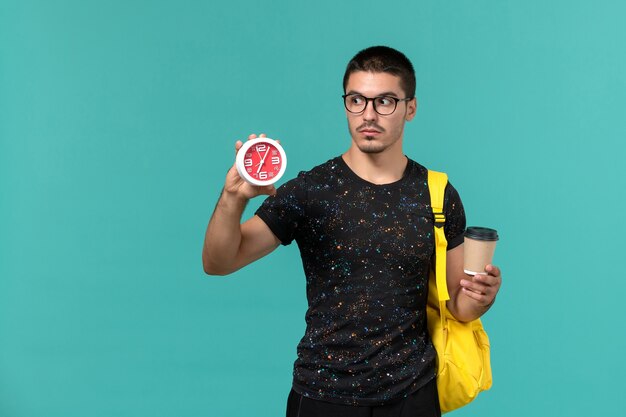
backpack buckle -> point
(440, 219)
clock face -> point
(261, 161)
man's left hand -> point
(483, 288)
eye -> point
(357, 99)
(384, 101)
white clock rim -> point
(244, 174)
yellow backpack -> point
(463, 362)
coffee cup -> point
(479, 247)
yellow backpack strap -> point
(437, 182)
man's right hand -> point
(236, 186)
(229, 245)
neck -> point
(378, 168)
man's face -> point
(370, 131)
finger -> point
(238, 145)
(473, 286)
(493, 270)
(252, 136)
(474, 295)
(270, 190)
(470, 290)
(263, 135)
(265, 190)
(483, 299)
(489, 280)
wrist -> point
(232, 200)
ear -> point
(411, 109)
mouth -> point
(369, 132)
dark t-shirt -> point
(366, 251)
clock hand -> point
(263, 160)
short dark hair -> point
(383, 59)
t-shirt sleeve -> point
(454, 226)
(283, 212)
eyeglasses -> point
(383, 105)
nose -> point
(369, 113)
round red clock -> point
(261, 161)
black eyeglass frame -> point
(373, 100)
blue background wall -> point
(117, 125)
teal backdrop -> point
(117, 126)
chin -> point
(369, 147)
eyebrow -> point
(386, 93)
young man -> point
(363, 224)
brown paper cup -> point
(479, 247)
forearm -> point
(465, 308)
(223, 235)
(470, 296)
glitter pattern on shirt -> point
(366, 251)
